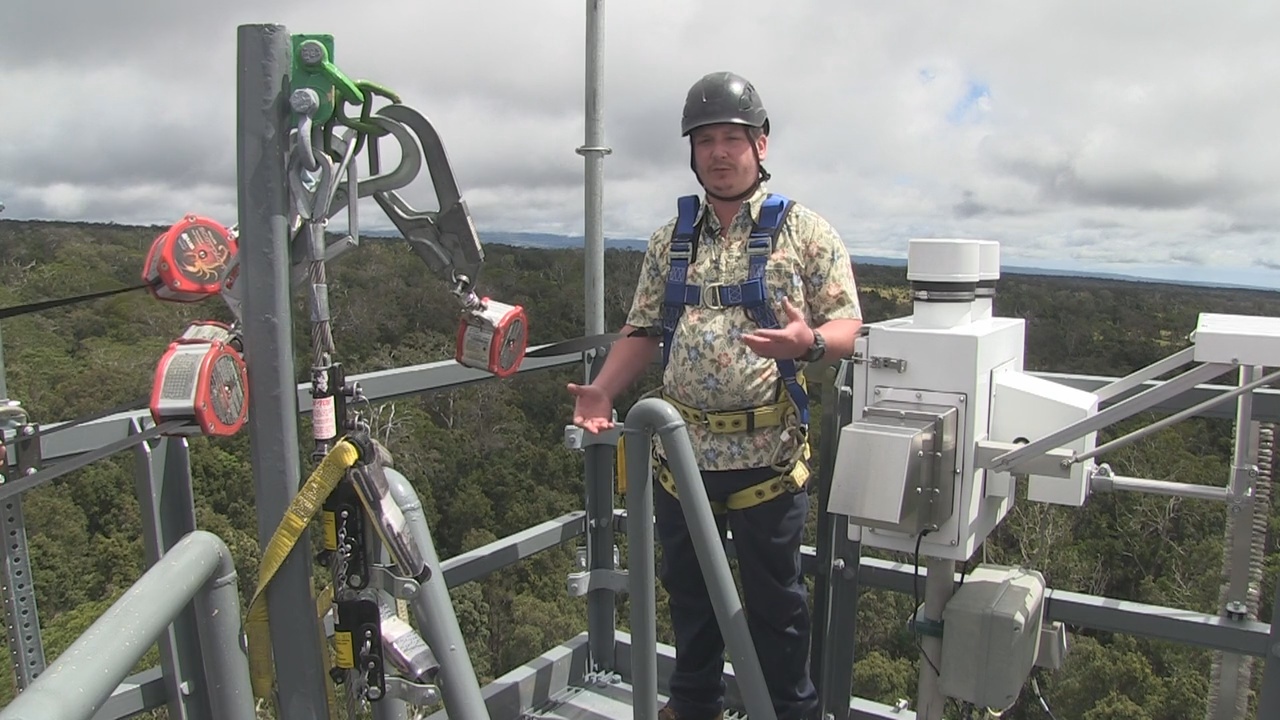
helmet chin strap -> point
(762, 177)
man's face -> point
(723, 158)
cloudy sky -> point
(1135, 137)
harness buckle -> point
(711, 296)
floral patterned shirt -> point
(710, 367)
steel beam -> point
(443, 375)
(1099, 613)
(486, 559)
(1266, 401)
(166, 505)
(380, 385)
(137, 694)
(1115, 413)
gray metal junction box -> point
(991, 635)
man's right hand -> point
(592, 408)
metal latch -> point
(888, 362)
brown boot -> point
(667, 713)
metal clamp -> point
(411, 692)
(400, 588)
(582, 583)
(576, 438)
(922, 625)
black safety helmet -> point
(723, 97)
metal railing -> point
(199, 567)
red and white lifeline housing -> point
(203, 380)
(493, 338)
(189, 261)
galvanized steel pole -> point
(641, 573)
(593, 152)
(263, 64)
(598, 460)
(1230, 676)
(939, 585)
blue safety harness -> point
(752, 295)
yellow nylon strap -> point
(762, 492)
(305, 505)
(734, 421)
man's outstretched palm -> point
(793, 338)
(592, 408)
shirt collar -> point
(751, 207)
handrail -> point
(436, 616)
(83, 677)
(647, 417)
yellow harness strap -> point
(733, 421)
(777, 414)
(792, 481)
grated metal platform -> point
(556, 686)
(608, 701)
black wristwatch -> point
(816, 350)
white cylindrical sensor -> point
(943, 273)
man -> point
(734, 380)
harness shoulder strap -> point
(752, 295)
(755, 293)
(678, 292)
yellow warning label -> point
(622, 464)
(346, 657)
(330, 530)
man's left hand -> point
(789, 342)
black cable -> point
(26, 482)
(136, 404)
(915, 593)
(1044, 705)
(17, 310)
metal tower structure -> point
(188, 601)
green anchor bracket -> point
(313, 68)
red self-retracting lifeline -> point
(189, 261)
(493, 337)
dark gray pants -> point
(766, 539)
